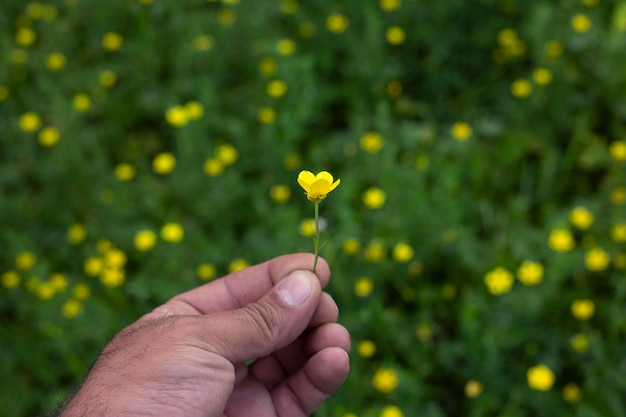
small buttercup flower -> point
(317, 186)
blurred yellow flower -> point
(540, 378)
(581, 23)
(371, 142)
(276, 88)
(4, 92)
(163, 163)
(583, 309)
(473, 388)
(402, 252)
(213, 167)
(374, 198)
(280, 193)
(530, 273)
(618, 195)
(499, 281)
(125, 171)
(71, 308)
(554, 49)
(194, 110)
(55, 61)
(177, 116)
(58, 282)
(618, 232)
(81, 291)
(172, 232)
(44, 291)
(93, 266)
(306, 29)
(521, 88)
(580, 343)
(389, 5)
(115, 258)
(226, 17)
(203, 43)
(144, 240)
(107, 78)
(289, 6)
(366, 348)
(542, 76)
(561, 240)
(10, 279)
(268, 66)
(317, 186)
(461, 131)
(25, 36)
(307, 227)
(581, 217)
(81, 102)
(238, 264)
(112, 41)
(395, 35)
(337, 23)
(571, 393)
(375, 251)
(30, 121)
(618, 150)
(227, 154)
(385, 380)
(49, 136)
(292, 161)
(351, 246)
(24, 261)
(285, 47)
(597, 259)
(391, 411)
(363, 286)
(206, 271)
(104, 245)
(267, 115)
(112, 277)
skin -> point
(191, 356)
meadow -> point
(477, 239)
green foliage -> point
(497, 118)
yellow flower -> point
(366, 348)
(530, 273)
(337, 23)
(267, 115)
(540, 378)
(115, 258)
(164, 163)
(25, 36)
(81, 291)
(268, 66)
(581, 23)
(125, 172)
(280, 193)
(44, 291)
(561, 240)
(580, 343)
(81, 102)
(385, 380)
(71, 308)
(58, 282)
(289, 6)
(104, 245)
(112, 277)
(55, 61)
(391, 411)
(402, 252)
(583, 309)
(177, 116)
(107, 78)
(375, 251)
(317, 186)
(203, 43)
(374, 198)
(618, 195)
(618, 232)
(10, 279)
(172, 232)
(554, 49)
(581, 217)
(30, 121)
(226, 17)
(542, 76)
(521, 88)
(238, 264)
(389, 5)
(618, 150)
(307, 227)
(25, 261)
(395, 35)
(286, 47)
(292, 161)
(571, 393)
(351, 246)
(461, 131)
(194, 110)
(363, 286)
(227, 154)
(213, 167)
(499, 281)
(145, 240)
(371, 142)
(112, 41)
(473, 388)
(49, 136)
(93, 266)
(276, 88)
(206, 271)
(597, 259)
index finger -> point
(245, 286)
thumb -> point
(269, 324)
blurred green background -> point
(477, 239)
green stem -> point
(316, 239)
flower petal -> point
(305, 179)
(325, 175)
(334, 185)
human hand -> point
(189, 356)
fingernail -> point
(295, 288)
